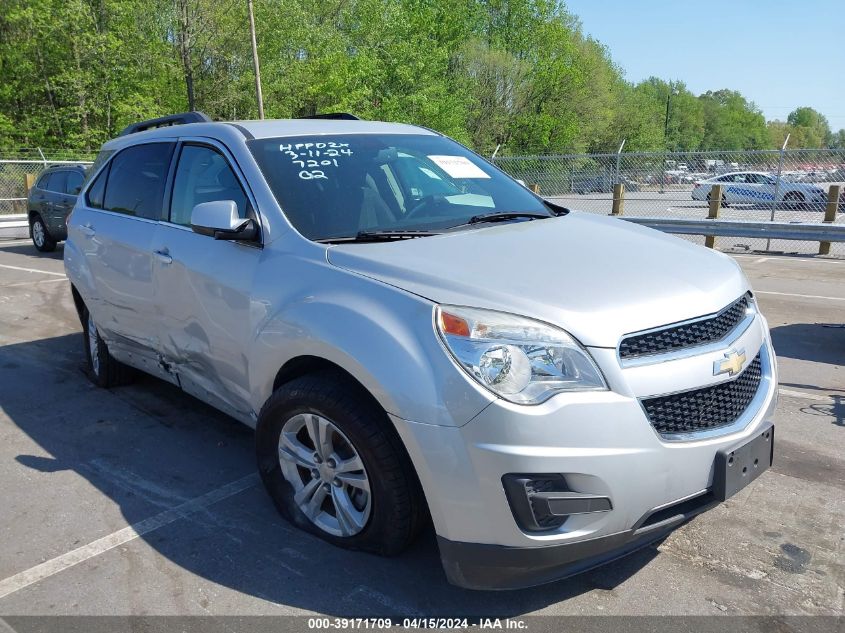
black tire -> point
(107, 371)
(724, 200)
(40, 235)
(397, 511)
(794, 199)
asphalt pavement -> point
(141, 500)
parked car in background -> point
(757, 187)
(600, 183)
(413, 335)
(50, 201)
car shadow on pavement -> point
(29, 249)
(148, 447)
(817, 342)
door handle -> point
(163, 256)
(87, 230)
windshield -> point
(333, 186)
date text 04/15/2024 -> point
(415, 623)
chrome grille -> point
(692, 334)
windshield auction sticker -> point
(458, 166)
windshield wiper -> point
(386, 235)
(503, 216)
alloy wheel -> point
(330, 482)
(38, 233)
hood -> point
(594, 276)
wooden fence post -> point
(830, 212)
(713, 213)
(618, 207)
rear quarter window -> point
(74, 182)
(101, 159)
(96, 191)
(136, 180)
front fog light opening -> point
(543, 502)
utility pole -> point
(258, 95)
(666, 137)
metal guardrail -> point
(14, 226)
(816, 232)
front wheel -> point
(40, 236)
(335, 467)
(794, 199)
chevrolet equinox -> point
(416, 336)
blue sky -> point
(781, 54)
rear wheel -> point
(40, 236)
(335, 467)
(103, 369)
(724, 200)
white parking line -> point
(792, 294)
(758, 259)
(95, 548)
(803, 394)
(31, 283)
(32, 270)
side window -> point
(136, 180)
(57, 181)
(203, 175)
(97, 189)
(43, 181)
(74, 182)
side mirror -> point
(219, 219)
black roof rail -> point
(165, 121)
(342, 116)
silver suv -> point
(414, 334)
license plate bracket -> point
(740, 464)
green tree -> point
(837, 140)
(520, 73)
(810, 128)
(732, 123)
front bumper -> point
(602, 444)
(482, 566)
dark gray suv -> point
(50, 201)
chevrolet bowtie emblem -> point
(731, 364)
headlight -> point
(521, 360)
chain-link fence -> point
(16, 165)
(783, 186)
